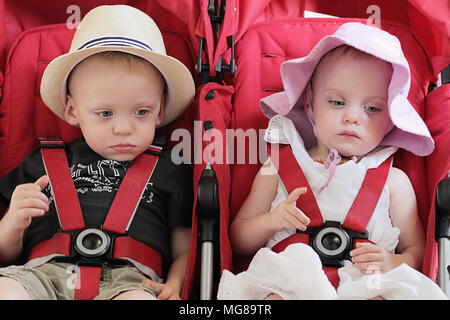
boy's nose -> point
(123, 127)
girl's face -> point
(350, 103)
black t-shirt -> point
(166, 202)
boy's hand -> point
(166, 292)
(287, 216)
(370, 258)
(28, 201)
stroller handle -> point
(208, 214)
(443, 233)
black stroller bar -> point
(208, 214)
(220, 68)
(445, 75)
(442, 227)
(443, 233)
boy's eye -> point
(105, 114)
(372, 109)
(337, 103)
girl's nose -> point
(353, 115)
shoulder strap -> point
(125, 202)
(367, 198)
(66, 198)
(130, 192)
(363, 206)
(293, 177)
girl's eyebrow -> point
(382, 99)
(370, 98)
(333, 90)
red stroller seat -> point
(23, 116)
(259, 51)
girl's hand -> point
(370, 258)
(28, 201)
(166, 292)
(287, 216)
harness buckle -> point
(332, 242)
(91, 247)
(92, 243)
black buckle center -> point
(332, 242)
(92, 243)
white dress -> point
(296, 272)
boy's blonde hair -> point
(126, 59)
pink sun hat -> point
(409, 130)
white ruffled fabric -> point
(296, 272)
(284, 273)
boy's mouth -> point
(123, 148)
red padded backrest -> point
(259, 54)
(23, 115)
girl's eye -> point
(372, 109)
(142, 112)
(337, 103)
(106, 114)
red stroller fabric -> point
(262, 31)
(428, 20)
(259, 51)
(33, 41)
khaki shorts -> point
(57, 281)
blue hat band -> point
(115, 41)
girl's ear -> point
(307, 103)
(70, 112)
(305, 106)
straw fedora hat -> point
(119, 28)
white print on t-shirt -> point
(101, 176)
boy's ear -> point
(162, 111)
(70, 113)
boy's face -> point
(350, 103)
(116, 108)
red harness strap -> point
(118, 219)
(127, 198)
(367, 198)
(124, 247)
(293, 177)
(87, 283)
(359, 214)
(62, 185)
